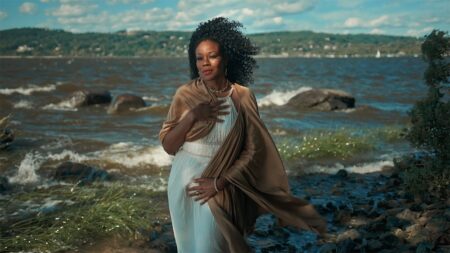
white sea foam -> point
(132, 155)
(60, 142)
(152, 98)
(24, 104)
(280, 97)
(28, 90)
(66, 105)
(71, 155)
(27, 169)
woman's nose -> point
(205, 61)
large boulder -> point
(70, 171)
(323, 99)
(86, 98)
(126, 102)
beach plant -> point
(340, 144)
(430, 119)
(84, 214)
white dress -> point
(193, 224)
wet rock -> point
(389, 171)
(351, 234)
(86, 98)
(394, 222)
(126, 102)
(374, 245)
(4, 184)
(424, 247)
(408, 215)
(341, 174)
(389, 240)
(327, 248)
(79, 172)
(346, 246)
(323, 99)
(165, 243)
(343, 216)
(6, 133)
(417, 234)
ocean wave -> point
(27, 169)
(152, 98)
(363, 168)
(66, 105)
(25, 104)
(28, 90)
(131, 155)
(280, 97)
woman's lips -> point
(206, 72)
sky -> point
(393, 17)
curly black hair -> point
(234, 46)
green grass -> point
(93, 212)
(341, 144)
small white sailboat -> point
(378, 55)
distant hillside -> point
(45, 42)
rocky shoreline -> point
(365, 213)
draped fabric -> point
(249, 160)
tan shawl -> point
(250, 161)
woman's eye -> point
(199, 58)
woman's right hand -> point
(210, 111)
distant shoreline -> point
(183, 57)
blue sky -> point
(393, 17)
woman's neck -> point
(217, 84)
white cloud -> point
(419, 32)
(277, 20)
(27, 8)
(3, 15)
(376, 31)
(293, 7)
(147, 19)
(67, 10)
(353, 22)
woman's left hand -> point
(204, 190)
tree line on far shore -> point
(47, 42)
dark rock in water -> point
(85, 98)
(4, 184)
(6, 137)
(79, 172)
(323, 99)
(6, 134)
(126, 102)
(342, 174)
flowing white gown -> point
(193, 224)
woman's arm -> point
(175, 137)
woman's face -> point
(210, 62)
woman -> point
(227, 170)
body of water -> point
(49, 130)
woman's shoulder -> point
(243, 91)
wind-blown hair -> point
(234, 47)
